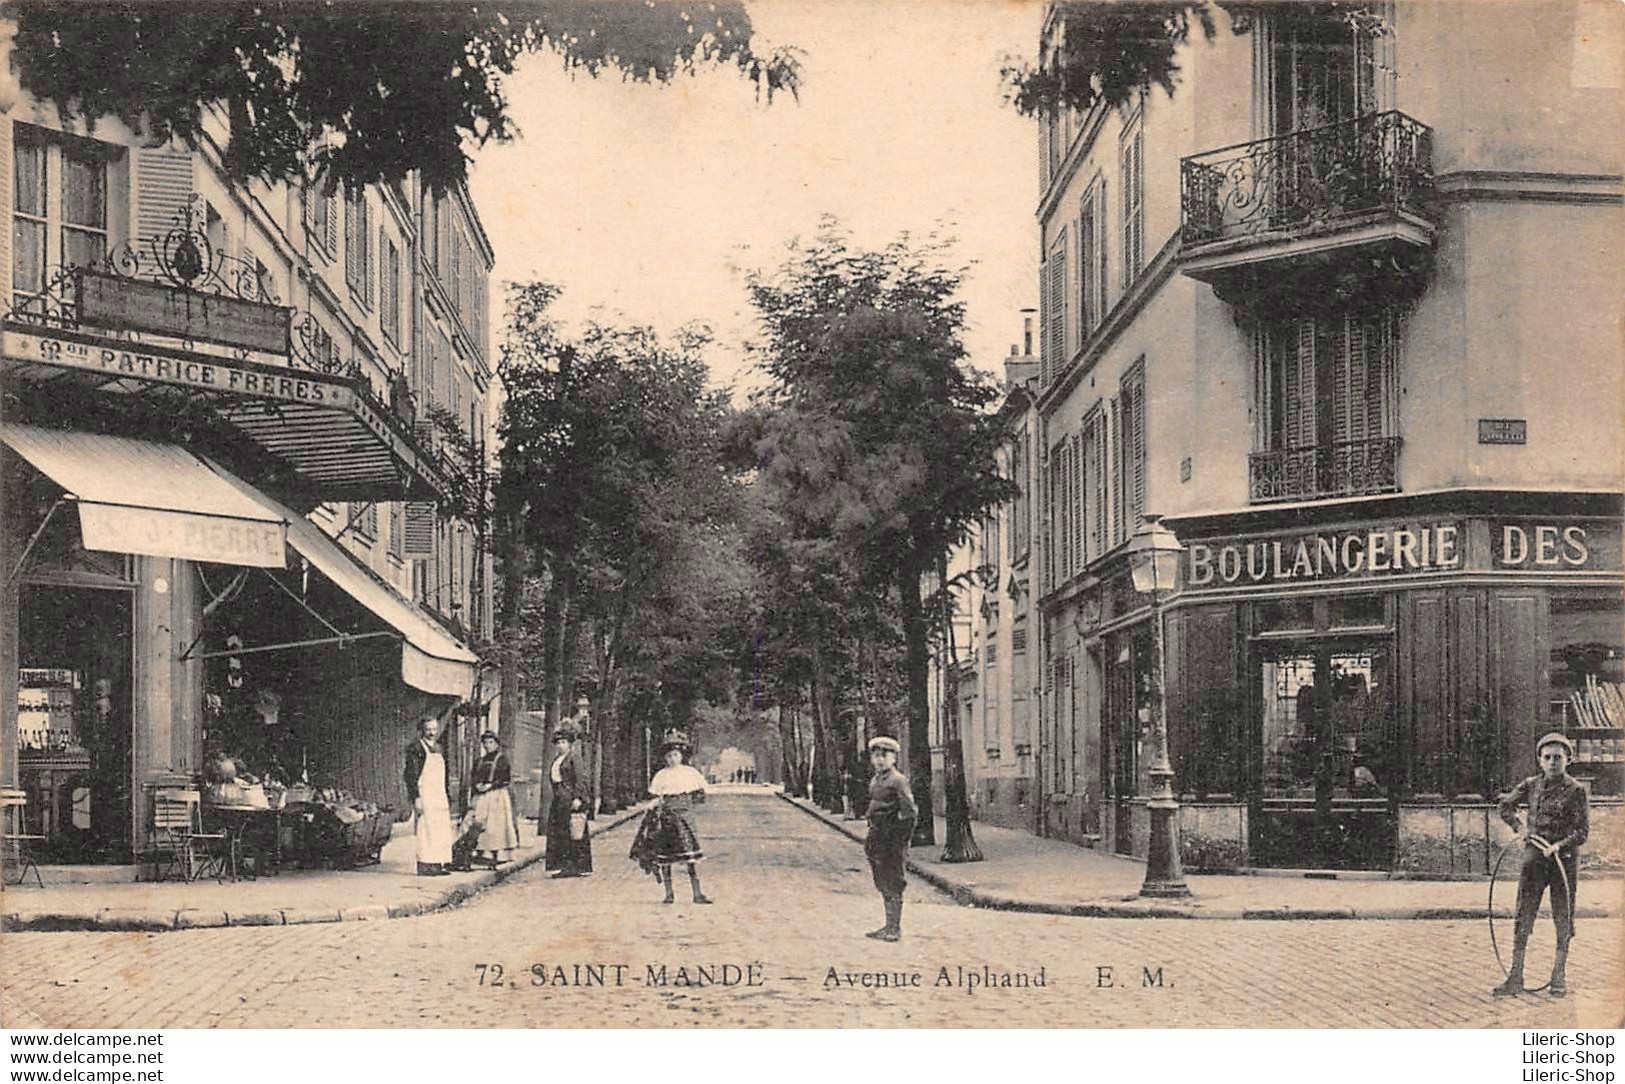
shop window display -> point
(73, 720)
(1587, 682)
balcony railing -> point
(1306, 181)
(1351, 468)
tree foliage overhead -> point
(358, 93)
(1106, 51)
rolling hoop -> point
(1568, 892)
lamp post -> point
(1153, 554)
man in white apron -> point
(426, 786)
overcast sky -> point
(644, 201)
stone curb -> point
(155, 920)
(966, 896)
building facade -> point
(234, 416)
(1309, 309)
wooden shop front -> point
(1359, 690)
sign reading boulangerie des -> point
(1388, 549)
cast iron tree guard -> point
(1153, 555)
(960, 844)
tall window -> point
(1075, 509)
(1092, 254)
(1019, 507)
(358, 249)
(397, 530)
(389, 287)
(1131, 429)
(1322, 68)
(1325, 380)
(59, 205)
(1132, 155)
(322, 220)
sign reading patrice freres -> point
(189, 370)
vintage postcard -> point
(763, 513)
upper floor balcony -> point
(1342, 202)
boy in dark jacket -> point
(892, 814)
(1559, 821)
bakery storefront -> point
(1357, 693)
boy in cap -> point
(1559, 816)
(892, 814)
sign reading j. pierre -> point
(176, 367)
(1386, 549)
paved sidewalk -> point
(390, 889)
(1022, 872)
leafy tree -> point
(879, 434)
(1106, 51)
(612, 493)
(357, 93)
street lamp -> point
(1153, 554)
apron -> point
(433, 828)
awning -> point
(431, 658)
(135, 496)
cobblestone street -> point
(793, 899)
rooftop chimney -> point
(1027, 331)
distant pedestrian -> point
(1559, 822)
(425, 777)
(892, 814)
(667, 836)
(493, 805)
(569, 838)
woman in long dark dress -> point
(667, 836)
(567, 856)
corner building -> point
(225, 524)
(1344, 310)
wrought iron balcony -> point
(1307, 180)
(1304, 203)
(1351, 468)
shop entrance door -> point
(1326, 751)
(73, 720)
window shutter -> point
(1118, 532)
(1350, 384)
(1298, 383)
(1045, 354)
(1137, 452)
(1074, 509)
(417, 538)
(1139, 202)
(163, 188)
(1061, 293)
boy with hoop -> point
(1559, 821)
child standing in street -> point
(1559, 821)
(892, 814)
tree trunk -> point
(916, 662)
(960, 845)
(522, 751)
(829, 785)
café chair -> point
(16, 841)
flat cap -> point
(887, 745)
(1555, 738)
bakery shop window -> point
(1584, 697)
